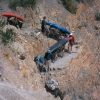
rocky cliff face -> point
(17, 68)
(80, 79)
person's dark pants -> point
(47, 65)
(57, 93)
(20, 24)
(53, 57)
(43, 31)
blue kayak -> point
(54, 48)
(57, 45)
(64, 30)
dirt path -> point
(63, 62)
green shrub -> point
(70, 6)
(97, 16)
(23, 3)
(8, 36)
(85, 1)
(2, 24)
(80, 1)
(14, 4)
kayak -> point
(8, 14)
(57, 45)
(54, 48)
(64, 30)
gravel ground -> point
(64, 62)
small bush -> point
(80, 1)
(23, 3)
(97, 16)
(83, 24)
(80, 26)
(85, 1)
(96, 28)
(14, 4)
(70, 6)
(96, 34)
(6, 54)
(22, 57)
(2, 24)
(8, 36)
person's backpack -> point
(41, 60)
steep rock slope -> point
(18, 70)
(81, 79)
